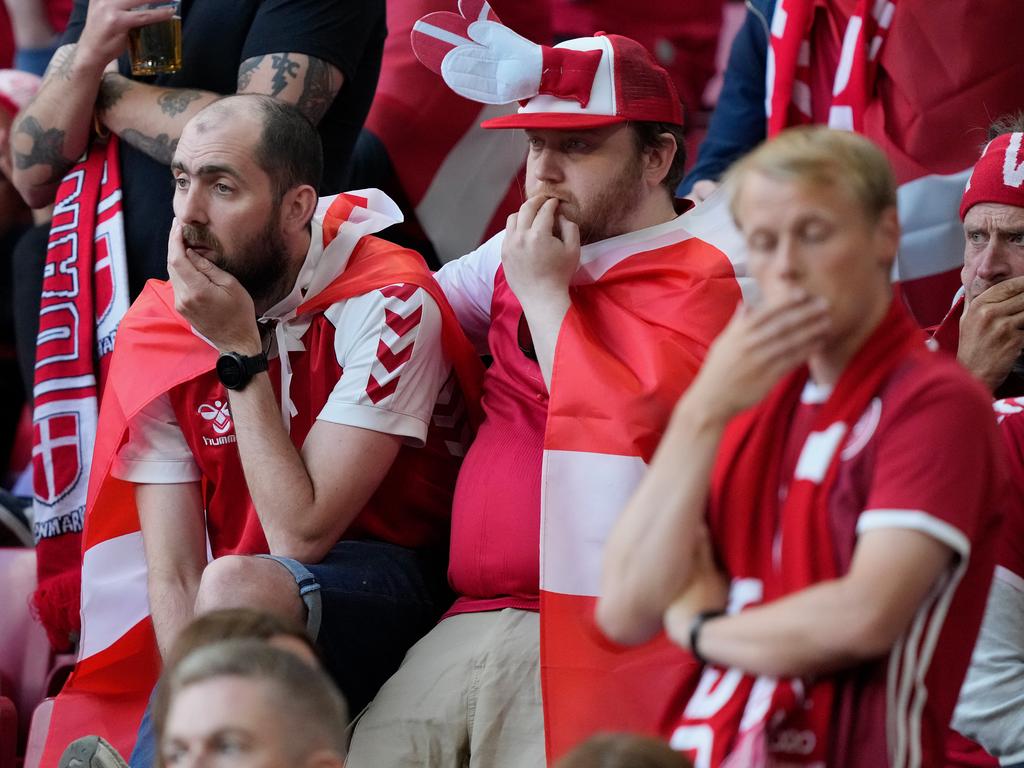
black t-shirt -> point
(217, 36)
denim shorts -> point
(368, 602)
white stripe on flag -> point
(712, 222)
(114, 597)
(469, 185)
(933, 239)
(582, 496)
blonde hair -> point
(314, 707)
(817, 157)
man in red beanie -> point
(985, 326)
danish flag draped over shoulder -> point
(923, 81)
(642, 317)
(118, 661)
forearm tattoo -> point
(176, 101)
(47, 149)
(112, 88)
(62, 63)
(246, 69)
(317, 91)
(160, 148)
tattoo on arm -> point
(176, 100)
(112, 88)
(62, 63)
(160, 148)
(285, 69)
(317, 91)
(47, 149)
(246, 69)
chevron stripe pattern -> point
(403, 311)
(450, 421)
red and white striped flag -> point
(644, 312)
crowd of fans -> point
(375, 397)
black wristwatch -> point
(235, 370)
(695, 628)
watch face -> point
(230, 371)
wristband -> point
(695, 627)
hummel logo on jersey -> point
(219, 415)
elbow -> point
(34, 195)
(867, 633)
(620, 621)
(296, 546)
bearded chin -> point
(260, 266)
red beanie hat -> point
(998, 176)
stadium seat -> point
(24, 650)
(8, 733)
(37, 734)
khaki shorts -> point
(467, 694)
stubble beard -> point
(608, 212)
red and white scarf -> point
(85, 295)
(731, 717)
(790, 57)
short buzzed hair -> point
(289, 150)
(315, 711)
(821, 157)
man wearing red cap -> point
(985, 327)
(597, 305)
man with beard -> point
(586, 262)
(276, 396)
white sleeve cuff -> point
(916, 520)
(412, 429)
(155, 471)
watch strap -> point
(695, 627)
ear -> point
(887, 233)
(657, 160)
(297, 207)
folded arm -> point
(831, 625)
(649, 556)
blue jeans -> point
(144, 752)
(368, 602)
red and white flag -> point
(644, 312)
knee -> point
(228, 582)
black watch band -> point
(695, 627)
(235, 370)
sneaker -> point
(15, 522)
(91, 752)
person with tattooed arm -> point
(328, 70)
(319, 55)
